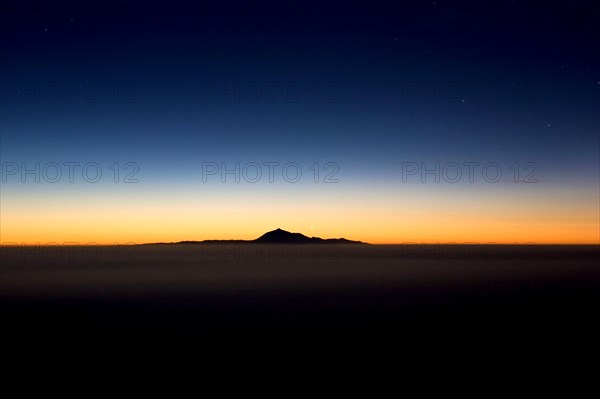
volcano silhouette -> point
(279, 236)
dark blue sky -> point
(365, 85)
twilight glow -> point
(371, 110)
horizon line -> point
(11, 244)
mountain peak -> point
(280, 236)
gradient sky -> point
(365, 90)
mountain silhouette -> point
(278, 236)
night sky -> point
(362, 92)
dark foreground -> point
(421, 299)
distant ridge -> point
(277, 236)
(280, 236)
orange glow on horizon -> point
(386, 218)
